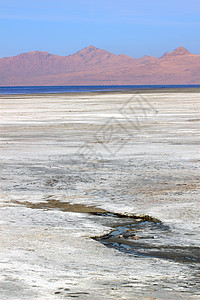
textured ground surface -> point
(114, 151)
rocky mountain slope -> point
(93, 66)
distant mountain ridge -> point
(93, 66)
(177, 51)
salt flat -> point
(131, 153)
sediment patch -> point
(51, 204)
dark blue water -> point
(92, 88)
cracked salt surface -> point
(49, 253)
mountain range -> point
(93, 66)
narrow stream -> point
(140, 235)
(149, 239)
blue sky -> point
(129, 27)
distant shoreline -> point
(53, 90)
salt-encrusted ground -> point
(122, 152)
